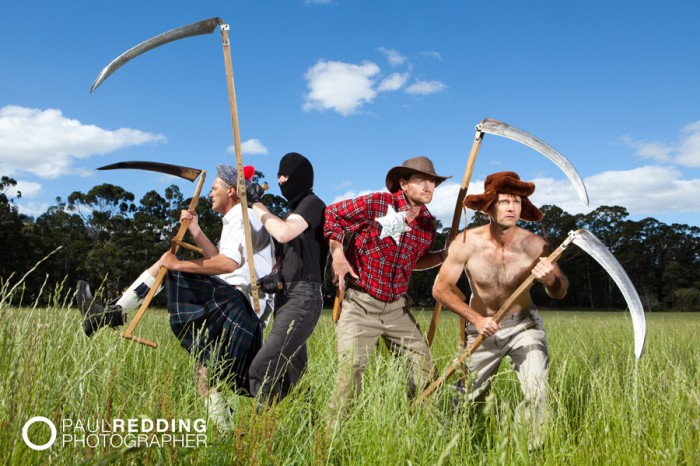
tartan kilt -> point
(215, 322)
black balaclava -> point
(300, 180)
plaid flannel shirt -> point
(383, 265)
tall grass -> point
(607, 409)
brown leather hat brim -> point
(396, 173)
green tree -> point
(420, 287)
(12, 232)
(106, 211)
(554, 228)
(102, 205)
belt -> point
(354, 286)
(518, 316)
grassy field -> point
(607, 409)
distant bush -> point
(687, 299)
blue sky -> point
(358, 86)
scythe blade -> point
(201, 27)
(187, 173)
(499, 128)
(597, 250)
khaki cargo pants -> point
(523, 338)
(362, 321)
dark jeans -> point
(281, 361)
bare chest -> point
(498, 268)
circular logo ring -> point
(31, 444)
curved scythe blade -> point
(491, 126)
(592, 245)
(187, 173)
(201, 27)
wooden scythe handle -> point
(523, 288)
(239, 167)
(176, 241)
(479, 136)
(188, 246)
(338, 304)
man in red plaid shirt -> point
(391, 235)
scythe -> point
(203, 27)
(588, 242)
(189, 174)
(498, 128)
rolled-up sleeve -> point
(345, 217)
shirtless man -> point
(497, 258)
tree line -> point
(108, 238)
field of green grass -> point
(607, 410)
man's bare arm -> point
(215, 265)
(209, 249)
(447, 278)
(550, 275)
(282, 230)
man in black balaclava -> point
(301, 256)
(300, 178)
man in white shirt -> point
(209, 299)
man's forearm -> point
(282, 230)
(460, 308)
(335, 246)
(209, 248)
(215, 265)
(442, 292)
(559, 288)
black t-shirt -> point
(304, 257)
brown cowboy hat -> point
(505, 183)
(415, 165)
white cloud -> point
(443, 204)
(344, 184)
(425, 87)
(33, 209)
(46, 143)
(394, 57)
(432, 54)
(343, 87)
(353, 194)
(251, 147)
(649, 150)
(393, 82)
(347, 87)
(648, 190)
(645, 191)
(686, 152)
(28, 189)
(560, 193)
(689, 150)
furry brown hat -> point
(505, 183)
(415, 165)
